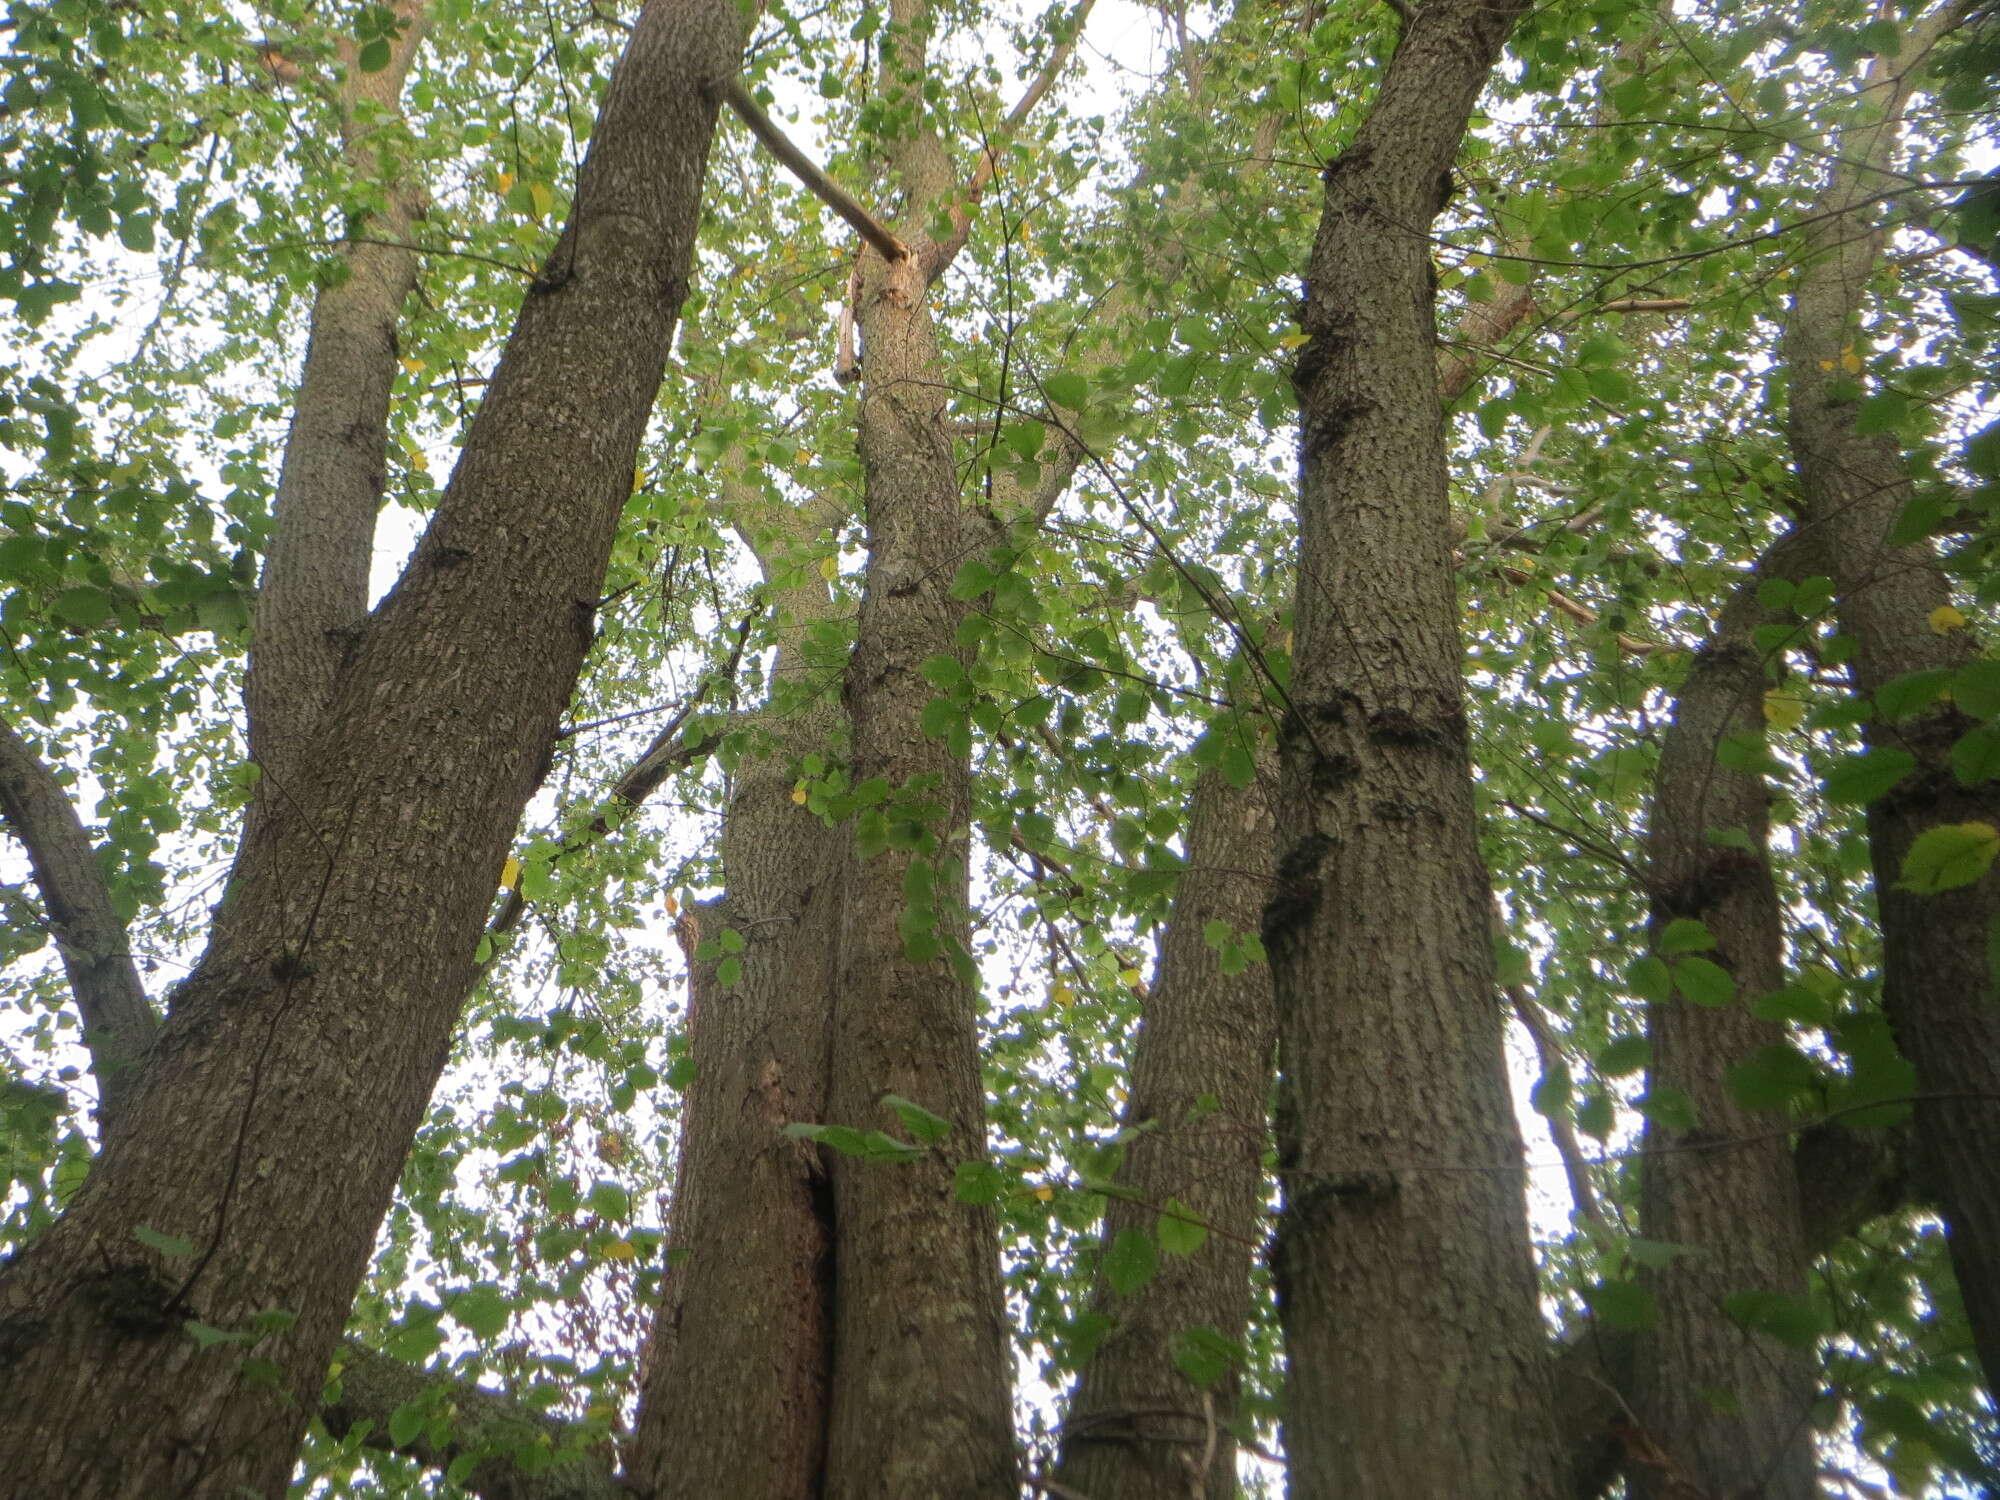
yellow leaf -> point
(1298, 338)
(1044, 1193)
(1128, 977)
(506, 181)
(1783, 711)
(1826, 364)
(673, 907)
(1062, 994)
(419, 460)
(542, 198)
(829, 568)
(638, 480)
(1850, 361)
(620, 1250)
(799, 794)
(1946, 618)
(412, 366)
(510, 874)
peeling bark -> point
(1408, 1297)
(1728, 1408)
(266, 1133)
(1138, 1428)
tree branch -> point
(118, 1020)
(795, 161)
(485, 1425)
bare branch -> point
(801, 166)
(118, 1020)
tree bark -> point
(735, 1393)
(241, 1189)
(921, 1403)
(1938, 986)
(118, 1020)
(315, 582)
(1138, 1427)
(1408, 1298)
(1729, 1409)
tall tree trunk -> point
(241, 1188)
(1138, 1427)
(920, 1404)
(1938, 985)
(315, 583)
(1729, 1409)
(1416, 1346)
(735, 1395)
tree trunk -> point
(1417, 1353)
(1138, 1427)
(735, 1392)
(1938, 984)
(920, 1405)
(241, 1189)
(1729, 1409)
(315, 582)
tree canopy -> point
(697, 722)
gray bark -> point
(315, 583)
(1417, 1355)
(1938, 985)
(1735, 1210)
(118, 1020)
(735, 1393)
(268, 1128)
(1138, 1428)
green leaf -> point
(608, 1200)
(408, 1420)
(1789, 1320)
(1623, 1304)
(1595, 1116)
(1205, 1357)
(1656, 1255)
(1181, 1230)
(1684, 935)
(1650, 979)
(1860, 779)
(926, 1128)
(1976, 688)
(1796, 1004)
(1131, 1262)
(1668, 1107)
(170, 1245)
(1975, 758)
(481, 1310)
(1945, 858)
(1068, 389)
(374, 55)
(1704, 982)
(82, 607)
(1772, 1077)
(1628, 1054)
(1912, 692)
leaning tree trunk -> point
(1734, 1210)
(1405, 1285)
(1139, 1428)
(921, 1372)
(1938, 985)
(240, 1190)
